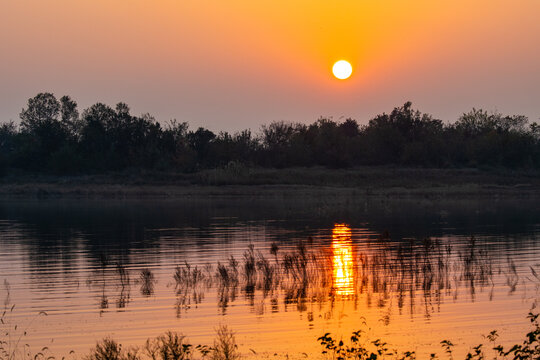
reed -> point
(225, 347)
(191, 283)
(109, 349)
(12, 336)
(169, 346)
(147, 281)
(387, 271)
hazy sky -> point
(233, 64)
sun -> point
(342, 69)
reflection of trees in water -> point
(54, 237)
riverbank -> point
(241, 181)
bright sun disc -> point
(342, 69)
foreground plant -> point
(360, 348)
(169, 346)
(225, 347)
(108, 349)
(529, 349)
(12, 336)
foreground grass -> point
(174, 346)
(169, 346)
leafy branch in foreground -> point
(360, 348)
(530, 348)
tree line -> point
(54, 137)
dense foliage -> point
(54, 137)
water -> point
(321, 264)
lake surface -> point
(278, 271)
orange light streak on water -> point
(342, 260)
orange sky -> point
(235, 64)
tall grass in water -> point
(124, 296)
(107, 277)
(147, 281)
(227, 277)
(387, 273)
(190, 284)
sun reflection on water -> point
(342, 260)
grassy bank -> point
(173, 346)
(238, 180)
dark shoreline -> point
(261, 182)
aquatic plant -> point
(250, 269)
(124, 295)
(386, 272)
(148, 281)
(190, 285)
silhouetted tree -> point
(174, 143)
(282, 143)
(43, 133)
(240, 147)
(8, 134)
(493, 139)
(330, 143)
(70, 115)
(53, 137)
(404, 136)
(42, 109)
(200, 141)
(350, 128)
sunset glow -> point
(342, 69)
(240, 64)
(183, 178)
(342, 260)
